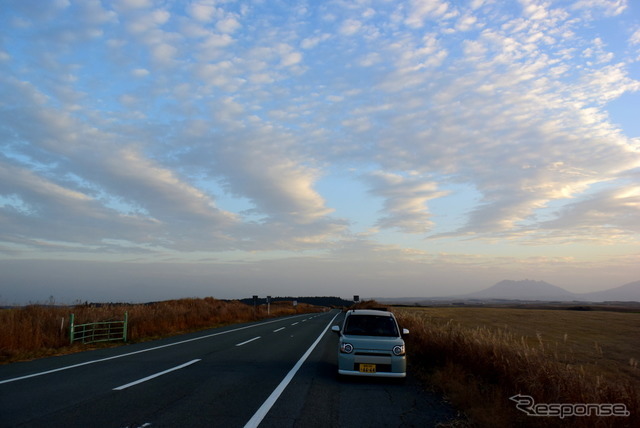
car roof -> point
(369, 312)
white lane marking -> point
(136, 352)
(247, 341)
(153, 376)
(281, 328)
(294, 323)
(268, 404)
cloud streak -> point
(203, 129)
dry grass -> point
(41, 330)
(480, 357)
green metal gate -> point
(101, 331)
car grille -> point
(374, 354)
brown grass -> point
(42, 330)
(479, 357)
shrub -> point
(478, 369)
(40, 330)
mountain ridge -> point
(532, 290)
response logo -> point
(526, 404)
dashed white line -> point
(271, 400)
(277, 330)
(294, 323)
(247, 341)
(136, 352)
(181, 366)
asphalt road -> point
(276, 373)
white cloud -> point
(311, 42)
(610, 7)
(140, 72)
(164, 53)
(420, 10)
(201, 12)
(228, 25)
(212, 126)
(466, 23)
(405, 200)
(133, 4)
(291, 58)
(535, 9)
(350, 27)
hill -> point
(627, 292)
(523, 290)
(530, 290)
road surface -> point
(275, 373)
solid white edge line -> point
(247, 341)
(137, 352)
(271, 400)
(153, 376)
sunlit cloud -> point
(170, 130)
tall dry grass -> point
(478, 369)
(41, 330)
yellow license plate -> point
(367, 368)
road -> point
(275, 373)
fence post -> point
(71, 326)
(126, 323)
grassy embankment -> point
(479, 357)
(43, 330)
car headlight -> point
(398, 350)
(346, 348)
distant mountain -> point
(624, 293)
(532, 290)
(523, 290)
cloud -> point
(350, 27)
(311, 42)
(89, 175)
(608, 215)
(405, 200)
(610, 7)
(420, 10)
(635, 38)
(174, 128)
(201, 11)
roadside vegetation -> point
(480, 357)
(41, 330)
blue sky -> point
(161, 149)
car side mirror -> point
(405, 331)
(335, 329)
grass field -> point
(479, 357)
(36, 331)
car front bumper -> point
(386, 366)
(377, 374)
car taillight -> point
(346, 348)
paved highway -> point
(275, 373)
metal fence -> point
(101, 331)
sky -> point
(158, 149)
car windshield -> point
(370, 325)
